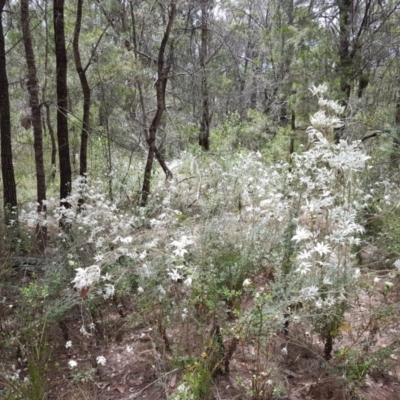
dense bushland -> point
(236, 258)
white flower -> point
(389, 284)
(127, 239)
(326, 281)
(72, 364)
(322, 248)
(322, 102)
(284, 351)
(329, 301)
(334, 106)
(129, 349)
(310, 293)
(180, 251)
(397, 264)
(146, 270)
(180, 245)
(320, 89)
(106, 277)
(184, 314)
(303, 268)
(321, 121)
(108, 291)
(86, 277)
(301, 234)
(161, 290)
(376, 279)
(304, 255)
(246, 283)
(140, 289)
(68, 345)
(98, 257)
(101, 360)
(188, 282)
(331, 105)
(174, 275)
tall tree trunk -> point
(395, 155)
(157, 152)
(47, 103)
(86, 97)
(205, 118)
(7, 168)
(161, 86)
(33, 88)
(345, 62)
(62, 103)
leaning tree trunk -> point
(161, 85)
(33, 88)
(7, 168)
(62, 104)
(86, 97)
(204, 140)
(138, 85)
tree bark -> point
(47, 120)
(62, 103)
(86, 96)
(7, 168)
(395, 155)
(33, 89)
(157, 152)
(345, 63)
(161, 85)
(205, 119)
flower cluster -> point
(330, 196)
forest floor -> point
(138, 365)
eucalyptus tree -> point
(47, 122)
(33, 89)
(86, 90)
(163, 68)
(360, 24)
(62, 102)
(204, 140)
(7, 168)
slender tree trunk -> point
(47, 119)
(395, 156)
(159, 156)
(7, 168)
(62, 103)
(204, 140)
(86, 97)
(345, 62)
(53, 141)
(33, 88)
(161, 85)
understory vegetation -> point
(248, 275)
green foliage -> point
(36, 350)
(196, 383)
(252, 132)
